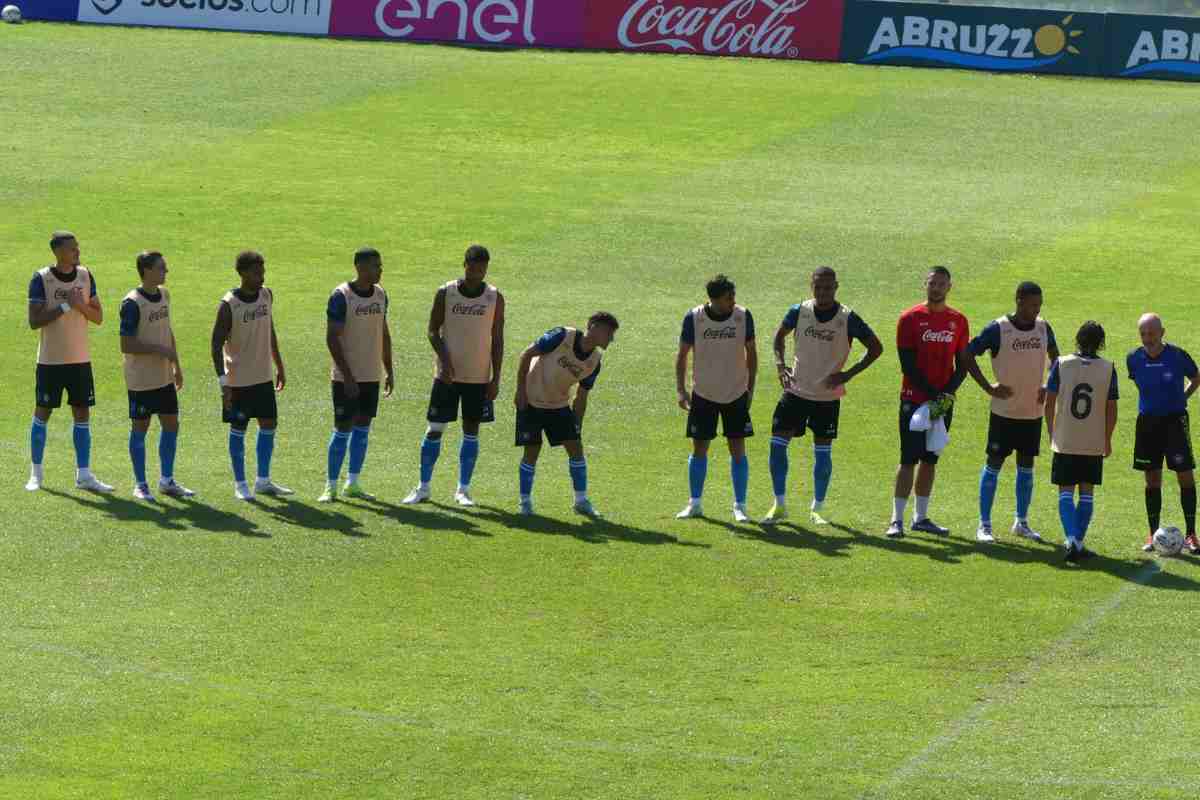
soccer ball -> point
(11, 14)
(1168, 540)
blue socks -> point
(779, 465)
(527, 472)
(237, 453)
(988, 479)
(82, 435)
(264, 450)
(1083, 517)
(1066, 513)
(37, 441)
(167, 443)
(578, 470)
(1024, 492)
(137, 454)
(822, 471)
(468, 454)
(739, 469)
(697, 472)
(359, 438)
(430, 450)
(337, 454)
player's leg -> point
(824, 425)
(737, 427)
(266, 412)
(366, 407)
(529, 437)
(1187, 499)
(339, 441)
(168, 445)
(701, 428)
(1148, 456)
(81, 396)
(1083, 518)
(237, 456)
(912, 446)
(787, 421)
(47, 397)
(443, 409)
(1025, 481)
(923, 488)
(1066, 515)
(1180, 460)
(577, 467)
(999, 446)
(476, 409)
(139, 426)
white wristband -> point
(223, 380)
(64, 307)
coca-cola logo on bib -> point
(469, 309)
(251, 314)
(368, 309)
(754, 27)
(728, 332)
(1034, 343)
(819, 333)
(570, 366)
(159, 315)
(945, 337)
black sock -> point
(1187, 497)
(1153, 507)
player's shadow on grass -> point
(416, 517)
(180, 515)
(594, 531)
(302, 515)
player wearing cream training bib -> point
(361, 348)
(1022, 346)
(153, 375)
(243, 348)
(466, 331)
(560, 359)
(62, 301)
(823, 331)
(720, 337)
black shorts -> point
(912, 443)
(251, 402)
(1006, 435)
(559, 425)
(76, 379)
(793, 414)
(1070, 470)
(445, 398)
(735, 418)
(365, 405)
(145, 404)
(1159, 438)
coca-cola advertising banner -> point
(808, 29)
(512, 23)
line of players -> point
(466, 331)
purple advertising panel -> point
(510, 23)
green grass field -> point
(286, 650)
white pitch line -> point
(1009, 687)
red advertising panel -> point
(513, 23)
(808, 29)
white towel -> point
(936, 435)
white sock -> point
(424, 487)
(580, 497)
(922, 509)
(80, 474)
(781, 500)
(464, 487)
(351, 477)
(898, 506)
(817, 505)
(36, 471)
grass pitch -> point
(212, 649)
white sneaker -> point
(463, 498)
(777, 514)
(329, 495)
(91, 483)
(815, 518)
(35, 481)
(142, 492)
(691, 511)
(417, 495)
(984, 533)
(525, 509)
(739, 514)
(172, 489)
(1023, 530)
(241, 490)
(268, 487)
(586, 508)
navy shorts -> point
(251, 402)
(445, 398)
(74, 379)
(558, 424)
(145, 404)
(365, 405)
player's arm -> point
(1192, 374)
(751, 366)
(175, 365)
(1110, 413)
(389, 369)
(908, 365)
(220, 334)
(961, 359)
(858, 330)
(42, 313)
(988, 341)
(437, 318)
(579, 407)
(1049, 409)
(779, 347)
(280, 375)
(681, 361)
(493, 390)
(527, 355)
(335, 328)
(130, 320)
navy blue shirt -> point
(688, 334)
(1052, 381)
(549, 341)
(37, 287)
(131, 316)
(1160, 380)
(988, 339)
(855, 327)
(336, 310)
